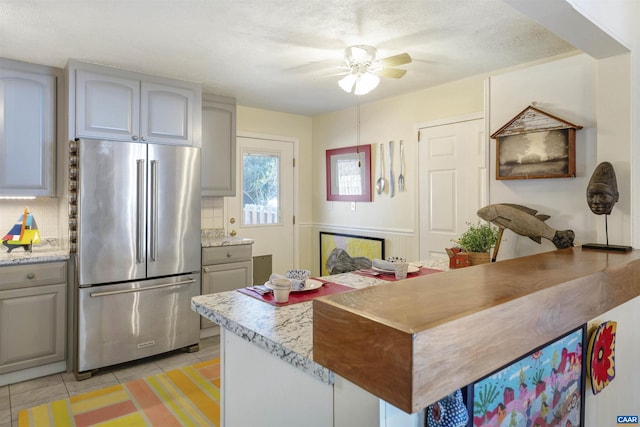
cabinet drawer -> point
(225, 254)
(19, 276)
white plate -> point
(411, 269)
(310, 285)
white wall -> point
(594, 94)
(394, 219)
(621, 396)
(614, 143)
(44, 210)
(567, 89)
(619, 19)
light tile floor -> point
(14, 397)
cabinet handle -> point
(206, 269)
(134, 137)
(228, 255)
(154, 209)
(31, 276)
(148, 288)
(140, 211)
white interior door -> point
(453, 181)
(263, 208)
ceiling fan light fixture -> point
(347, 82)
(364, 71)
(359, 82)
(366, 83)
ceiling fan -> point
(364, 70)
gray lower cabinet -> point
(225, 268)
(33, 317)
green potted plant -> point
(477, 241)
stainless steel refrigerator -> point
(135, 221)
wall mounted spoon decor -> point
(392, 191)
(380, 183)
(401, 176)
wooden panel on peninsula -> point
(414, 341)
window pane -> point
(350, 182)
(261, 189)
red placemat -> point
(392, 277)
(328, 288)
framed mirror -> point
(349, 174)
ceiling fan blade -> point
(395, 73)
(393, 61)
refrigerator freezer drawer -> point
(128, 321)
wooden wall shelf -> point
(414, 341)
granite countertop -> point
(48, 250)
(286, 332)
(217, 237)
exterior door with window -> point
(263, 206)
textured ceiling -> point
(276, 54)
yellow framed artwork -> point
(354, 246)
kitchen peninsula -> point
(267, 359)
(408, 343)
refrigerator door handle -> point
(140, 220)
(148, 288)
(154, 209)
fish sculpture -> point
(24, 233)
(526, 222)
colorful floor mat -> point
(188, 396)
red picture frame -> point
(348, 173)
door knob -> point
(232, 233)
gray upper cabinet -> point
(27, 129)
(110, 103)
(218, 146)
(107, 107)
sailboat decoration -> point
(23, 233)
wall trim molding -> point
(450, 120)
(399, 231)
(267, 137)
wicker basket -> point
(477, 258)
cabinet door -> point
(218, 149)
(225, 277)
(32, 327)
(107, 107)
(167, 114)
(27, 133)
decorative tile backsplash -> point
(44, 210)
(212, 212)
